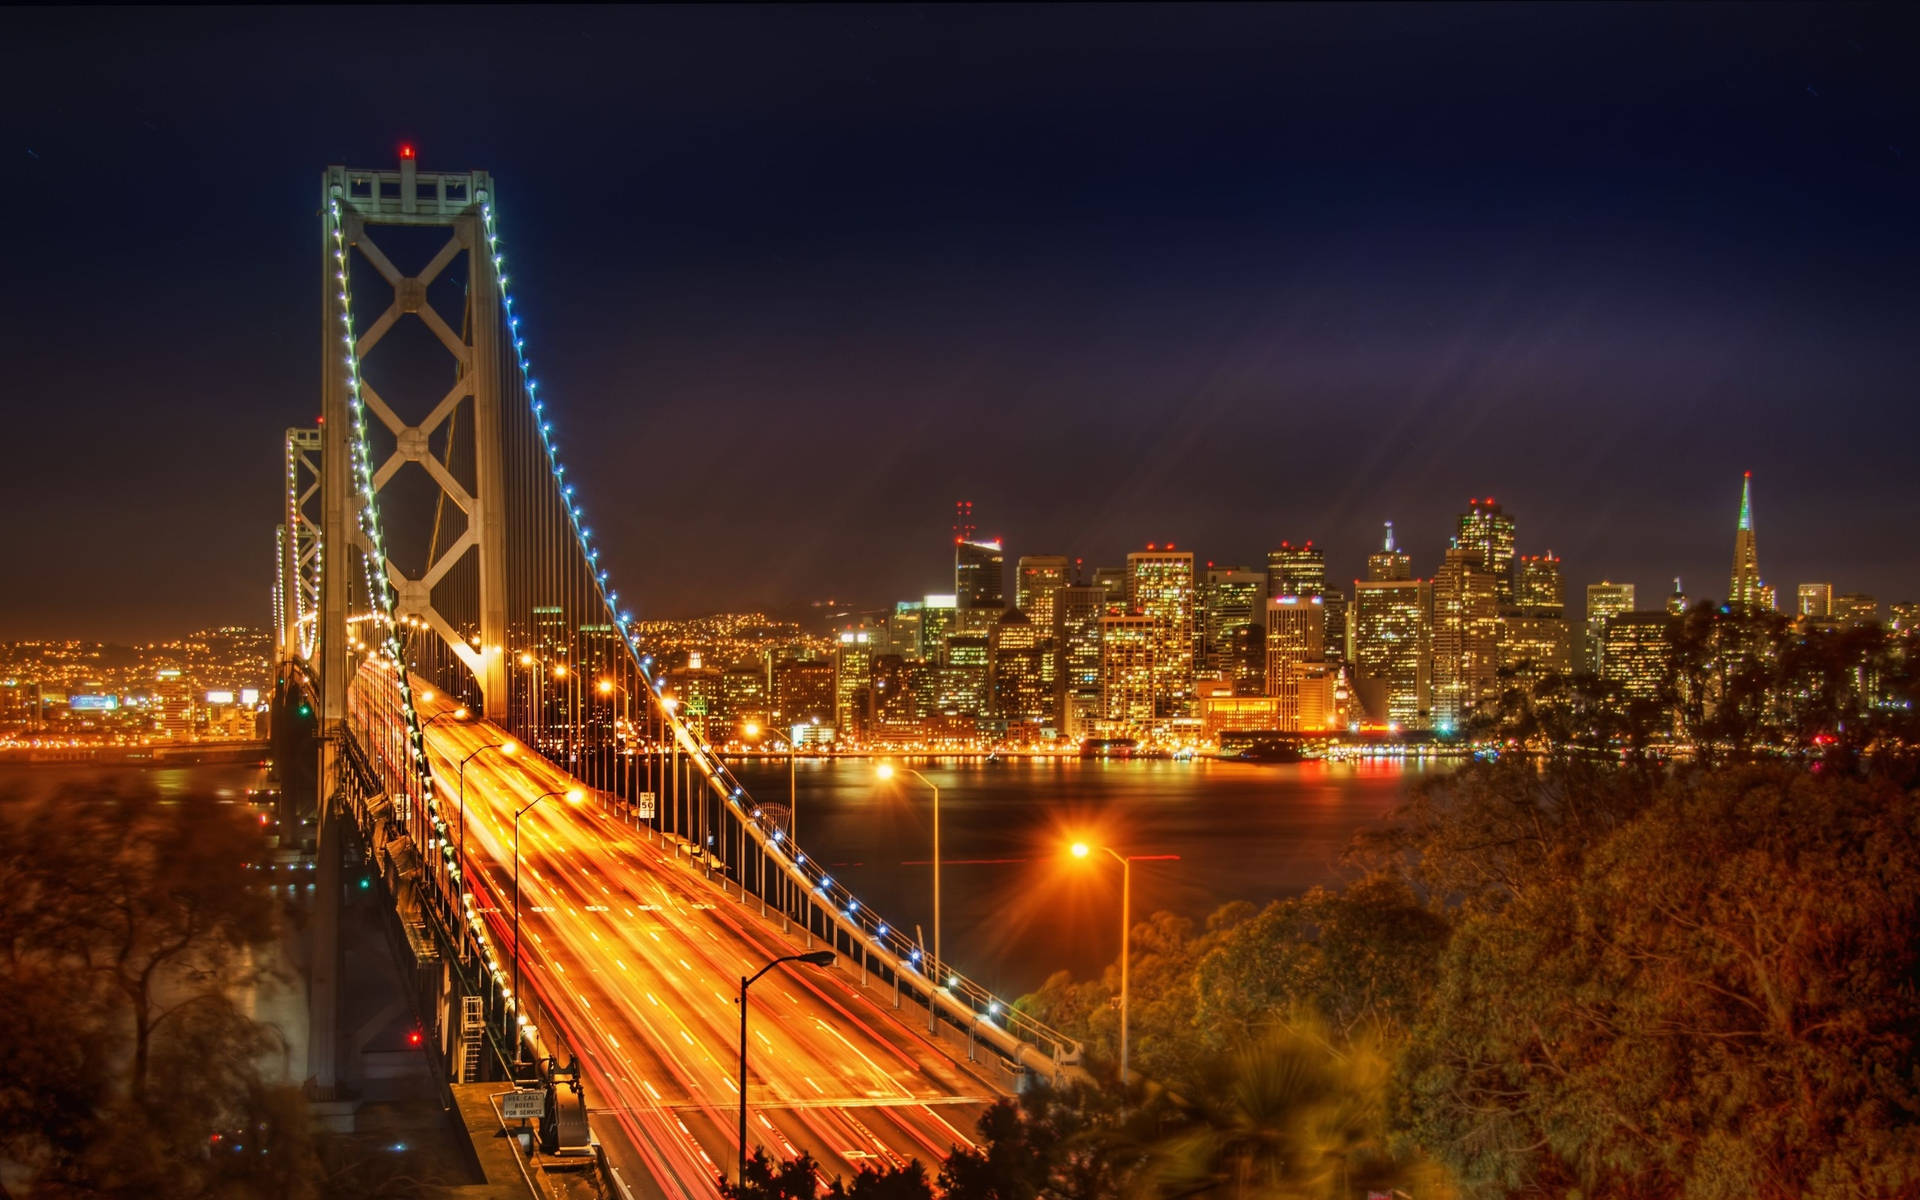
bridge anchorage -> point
(489, 739)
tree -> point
(764, 1179)
(1720, 1002)
(124, 927)
(1284, 1115)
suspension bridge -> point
(581, 880)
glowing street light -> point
(574, 796)
(816, 958)
(1084, 850)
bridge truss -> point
(479, 576)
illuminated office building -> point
(1393, 650)
(1856, 608)
(853, 673)
(1338, 611)
(1638, 653)
(1037, 578)
(1816, 599)
(979, 576)
(1076, 637)
(1296, 571)
(1605, 600)
(1160, 587)
(1535, 637)
(1466, 637)
(1014, 678)
(1486, 531)
(1128, 646)
(1743, 592)
(903, 629)
(937, 624)
(1296, 637)
(1677, 601)
(1388, 563)
(803, 691)
(173, 707)
(1113, 582)
(1903, 618)
(1230, 600)
(961, 683)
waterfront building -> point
(1160, 587)
(1128, 645)
(1743, 591)
(1605, 600)
(1393, 650)
(1487, 532)
(1230, 599)
(173, 707)
(1296, 571)
(1388, 564)
(1815, 599)
(963, 681)
(1466, 632)
(979, 575)
(1238, 714)
(893, 688)
(1296, 637)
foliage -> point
(1719, 1001)
(125, 922)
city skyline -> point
(1245, 276)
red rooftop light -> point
(406, 151)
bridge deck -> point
(635, 960)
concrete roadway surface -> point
(635, 962)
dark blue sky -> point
(797, 279)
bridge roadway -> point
(635, 961)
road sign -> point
(643, 806)
(525, 1104)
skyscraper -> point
(1744, 591)
(1488, 532)
(1816, 599)
(1076, 637)
(1296, 635)
(1535, 639)
(1387, 563)
(1638, 653)
(1019, 694)
(1605, 601)
(1296, 571)
(1127, 672)
(1465, 636)
(1037, 578)
(1160, 586)
(1230, 601)
(1677, 601)
(979, 575)
(1393, 649)
(852, 677)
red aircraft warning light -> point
(406, 150)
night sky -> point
(797, 279)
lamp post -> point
(936, 977)
(1126, 861)
(753, 730)
(507, 748)
(607, 686)
(818, 958)
(574, 796)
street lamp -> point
(574, 796)
(507, 748)
(936, 977)
(458, 714)
(817, 958)
(1126, 861)
(752, 730)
